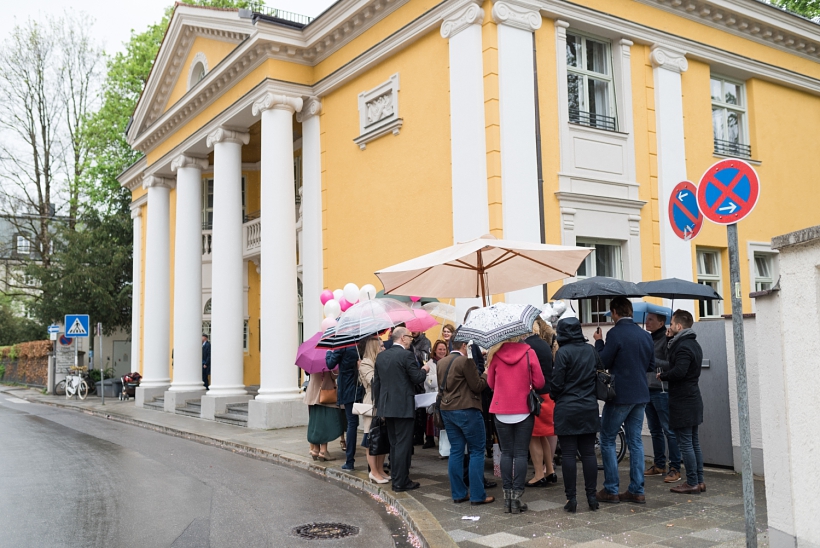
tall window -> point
(605, 260)
(245, 337)
(208, 203)
(729, 118)
(709, 274)
(23, 245)
(764, 273)
(589, 81)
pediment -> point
(212, 33)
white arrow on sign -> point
(682, 195)
(731, 207)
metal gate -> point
(122, 358)
(716, 431)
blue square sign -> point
(76, 325)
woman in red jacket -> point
(513, 369)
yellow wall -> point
(489, 32)
(214, 51)
(252, 359)
(392, 201)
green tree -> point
(15, 328)
(806, 8)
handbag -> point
(363, 409)
(327, 396)
(534, 401)
(437, 420)
(378, 440)
(604, 389)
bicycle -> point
(73, 384)
(620, 449)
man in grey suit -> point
(394, 380)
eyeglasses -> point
(408, 336)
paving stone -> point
(687, 541)
(723, 501)
(634, 538)
(581, 534)
(662, 530)
(460, 535)
(436, 496)
(424, 482)
(499, 540)
(543, 505)
(598, 544)
(550, 541)
(718, 535)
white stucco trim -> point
(198, 58)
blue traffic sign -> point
(684, 214)
(53, 328)
(76, 325)
(65, 341)
(728, 191)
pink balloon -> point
(345, 304)
(326, 296)
(415, 299)
(327, 323)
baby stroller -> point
(130, 382)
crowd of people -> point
(531, 395)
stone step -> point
(189, 411)
(158, 404)
(238, 409)
(232, 418)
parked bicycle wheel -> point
(82, 390)
(620, 448)
(59, 390)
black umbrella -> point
(675, 288)
(598, 286)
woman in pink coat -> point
(514, 369)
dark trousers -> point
(352, 429)
(419, 426)
(515, 445)
(206, 371)
(690, 452)
(400, 434)
(585, 445)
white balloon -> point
(332, 309)
(327, 323)
(367, 293)
(351, 293)
(559, 307)
(338, 294)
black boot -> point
(516, 506)
(593, 502)
(430, 443)
(571, 505)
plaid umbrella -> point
(494, 324)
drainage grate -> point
(324, 531)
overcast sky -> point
(113, 21)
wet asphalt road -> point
(68, 479)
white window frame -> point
(717, 279)
(756, 249)
(209, 180)
(246, 336)
(585, 311)
(585, 74)
(194, 76)
(739, 109)
(22, 245)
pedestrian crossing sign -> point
(77, 325)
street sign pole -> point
(742, 391)
(102, 365)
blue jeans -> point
(631, 417)
(690, 450)
(352, 428)
(657, 418)
(465, 427)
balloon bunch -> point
(339, 300)
(552, 312)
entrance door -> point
(122, 358)
(716, 431)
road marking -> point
(15, 400)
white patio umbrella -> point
(482, 267)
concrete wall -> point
(789, 317)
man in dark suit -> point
(628, 355)
(394, 380)
(206, 360)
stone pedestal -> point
(177, 398)
(148, 394)
(216, 405)
(270, 415)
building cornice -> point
(669, 59)
(136, 205)
(461, 15)
(568, 199)
(520, 14)
(753, 20)
(131, 177)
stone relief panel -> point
(379, 112)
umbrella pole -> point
(480, 266)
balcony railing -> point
(252, 238)
(206, 245)
(283, 15)
(592, 119)
(729, 148)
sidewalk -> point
(714, 518)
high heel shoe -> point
(551, 478)
(375, 480)
(325, 456)
(571, 506)
(314, 454)
(593, 503)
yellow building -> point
(385, 129)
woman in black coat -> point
(576, 409)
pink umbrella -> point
(422, 322)
(310, 358)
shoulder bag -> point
(437, 420)
(327, 396)
(534, 401)
(604, 389)
(363, 409)
(378, 439)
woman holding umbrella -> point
(369, 349)
(326, 422)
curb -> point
(420, 521)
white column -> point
(310, 250)
(156, 361)
(468, 143)
(669, 64)
(227, 319)
(136, 284)
(278, 403)
(187, 279)
(517, 20)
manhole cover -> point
(323, 531)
